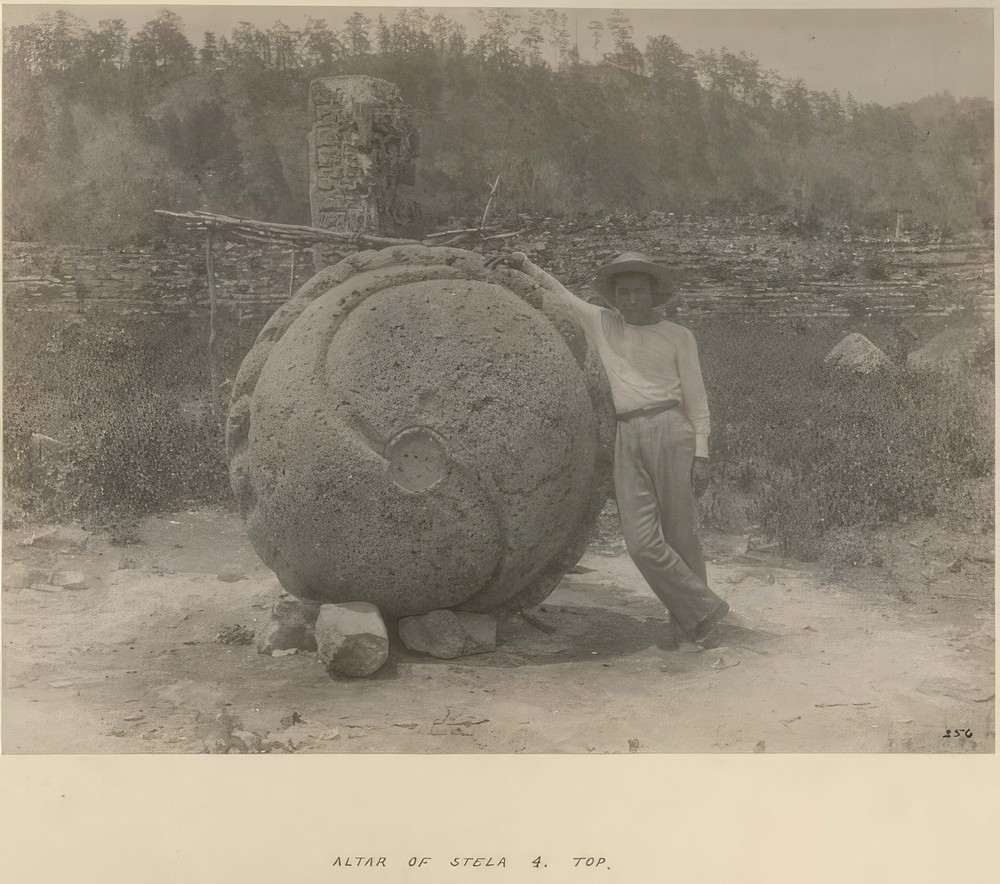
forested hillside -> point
(102, 126)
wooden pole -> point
(291, 278)
(297, 236)
(292, 232)
(489, 202)
(213, 362)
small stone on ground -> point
(288, 626)
(17, 575)
(69, 580)
(351, 638)
(448, 634)
(857, 354)
(63, 537)
(231, 575)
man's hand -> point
(520, 261)
(514, 260)
(699, 476)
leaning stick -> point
(489, 202)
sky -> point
(878, 55)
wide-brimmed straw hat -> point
(635, 262)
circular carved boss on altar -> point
(416, 430)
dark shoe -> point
(704, 628)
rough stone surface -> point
(288, 626)
(420, 432)
(17, 575)
(438, 633)
(856, 353)
(69, 579)
(480, 632)
(950, 350)
(231, 575)
(449, 634)
(63, 537)
(351, 638)
(148, 278)
(362, 152)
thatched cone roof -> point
(856, 353)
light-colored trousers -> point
(653, 458)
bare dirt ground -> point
(816, 659)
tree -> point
(265, 190)
(458, 43)
(171, 133)
(494, 48)
(626, 54)
(596, 28)
(674, 90)
(356, 34)
(249, 47)
(65, 34)
(206, 144)
(209, 51)
(558, 28)
(828, 111)
(796, 111)
(21, 50)
(284, 46)
(748, 83)
(53, 43)
(532, 37)
(64, 142)
(320, 45)
(621, 29)
(439, 30)
(106, 49)
(850, 107)
(715, 128)
(413, 61)
(383, 35)
(409, 33)
(671, 71)
(161, 47)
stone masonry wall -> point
(168, 277)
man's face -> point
(634, 296)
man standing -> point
(661, 448)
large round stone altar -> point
(416, 430)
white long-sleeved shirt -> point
(648, 365)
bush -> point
(127, 400)
(816, 449)
(801, 451)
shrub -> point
(800, 450)
(817, 449)
(128, 399)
